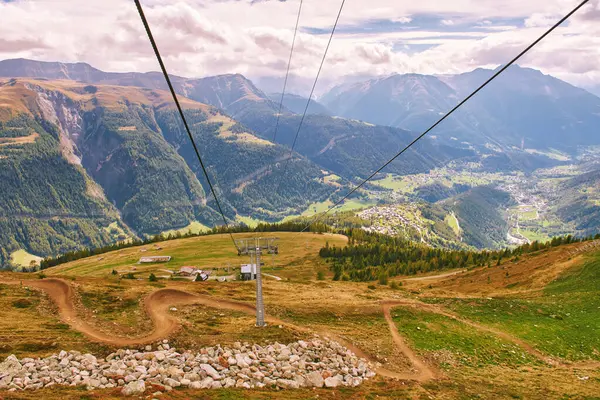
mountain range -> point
(89, 157)
(522, 108)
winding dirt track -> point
(157, 304)
(425, 372)
(388, 305)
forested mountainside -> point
(115, 141)
(81, 163)
(47, 204)
(479, 212)
(297, 104)
(578, 202)
(523, 107)
(347, 148)
(352, 148)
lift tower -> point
(254, 248)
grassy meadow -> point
(564, 321)
(560, 319)
(205, 252)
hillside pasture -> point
(205, 252)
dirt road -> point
(425, 372)
(438, 310)
(426, 278)
(158, 303)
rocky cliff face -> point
(60, 110)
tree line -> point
(372, 256)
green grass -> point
(564, 322)
(205, 252)
(320, 207)
(28, 327)
(249, 221)
(22, 258)
(116, 231)
(395, 183)
(453, 223)
(444, 176)
(314, 208)
(195, 226)
(331, 178)
(552, 153)
(584, 280)
(533, 236)
(529, 215)
(454, 342)
(355, 205)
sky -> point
(253, 37)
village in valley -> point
(530, 217)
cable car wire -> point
(185, 124)
(500, 71)
(287, 161)
(287, 74)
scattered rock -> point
(314, 363)
(314, 379)
(332, 381)
(135, 387)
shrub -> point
(41, 275)
(114, 272)
(383, 278)
(395, 285)
(129, 276)
(372, 287)
(320, 276)
(90, 89)
(22, 303)
(152, 278)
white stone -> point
(210, 371)
(136, 387)
(332, 381)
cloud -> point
(210, 37)
(540, 20)
(8, 45)
(402, 20)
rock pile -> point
(314, 363)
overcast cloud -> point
(376, 37)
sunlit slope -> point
(208, 252)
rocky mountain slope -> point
(78, 159)
(347, 148)
(297, 104)
(522, 107)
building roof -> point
(248, 269)
(188, 270)
(155, 258)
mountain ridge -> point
(522, 107)
(128, 149)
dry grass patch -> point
(30, 325)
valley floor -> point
(525, 329)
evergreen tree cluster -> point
(372, 256)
